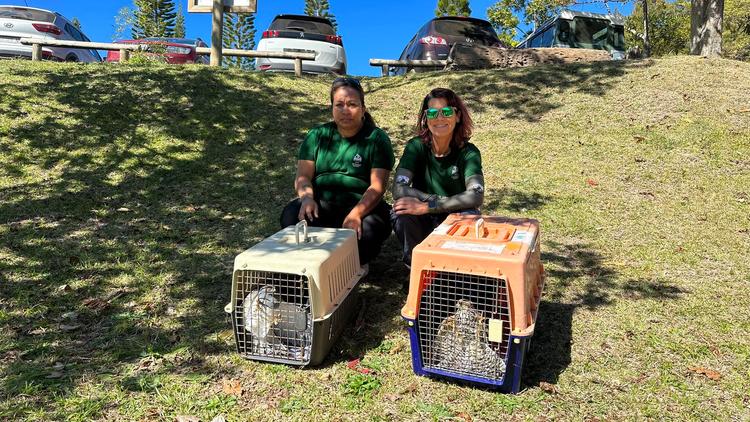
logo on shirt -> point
(357, 161)
(454, 172)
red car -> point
(176, 50)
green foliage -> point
(124, 20)
(736, 35)
(533, 11)
(669, 27)
(453, 8)
(76, 23)
(153, 18)
(505, 22)
(179, 24)
(320, 8)
(361, 385)
(239, 32)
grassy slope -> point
(141, 184)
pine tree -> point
(76, 23)
(239, 32)
(453, 8)
(153, 18)
(179, 24)
(320, 8)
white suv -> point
(303, 34)
(18, 22)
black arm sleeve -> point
(472, 197)
(402, 186)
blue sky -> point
(370, 29)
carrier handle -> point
(303, 225)
(479, 227)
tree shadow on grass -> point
(154, 178)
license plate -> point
(298, 50)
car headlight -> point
(178, 50)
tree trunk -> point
(646, 38)
(706, 19)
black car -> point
(434, 40)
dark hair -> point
(463, 130)
(355, 85)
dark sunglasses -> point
(347, 81)
(432, 113)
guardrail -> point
(385, 64)
(125, 49)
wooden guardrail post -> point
(217, 28)
(124, 55)
(36, 52)
(298, 67)
(384, 70)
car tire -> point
(72, 58)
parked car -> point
(173, 50)
(303, 34)
(434, 39)
(18, 22)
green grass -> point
(126, 192)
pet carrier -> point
(293, 292)
(474, 291)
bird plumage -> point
(261, 308)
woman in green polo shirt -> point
(439, 173)
(342, 172)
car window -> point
(477, 31)
(26, 14)
(74, 32)
(296, 24)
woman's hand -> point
(309, 209)
(410, 205)
(353, 221)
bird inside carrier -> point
(474, 291)
(293, 292)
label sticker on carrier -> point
(442, 229)
(473, 247)
(495, 329)
(522, 236)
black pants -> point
(375, 225)
(411, 230)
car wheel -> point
(71, 58)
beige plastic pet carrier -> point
(293, 292)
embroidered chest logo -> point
(454, 172)
(357, 161)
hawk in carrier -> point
(461, 344)
(261, 309)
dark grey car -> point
(434, 40)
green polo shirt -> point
(343, 165)
(444, 176)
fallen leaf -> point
(232, 387)
(355, 366)
(647, 195)
(37, 331)
(547, 387)
(95, 303)
(54, 375)
(187, 418)
(396, 348)
(228, 217)
(219, 418)
(715, 350)
(709, 373)
(639, 139)
(63, 288)
(744, 110)
(409, 388)
(464, 416)
(123, 209)
(592, 182)
(69, 327)
(391, 397)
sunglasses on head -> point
(432, 113)
(346, 81)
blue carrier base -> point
(510, 381)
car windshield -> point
(476, 31)
(591, 33)
(296, 24)
(172, 40)
(26, 14)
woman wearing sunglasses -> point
(440, 171)
(342, 172)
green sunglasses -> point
(432, 113)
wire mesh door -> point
(273, 316)
(464, 324)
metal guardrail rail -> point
(125, 49)
(385, 64)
